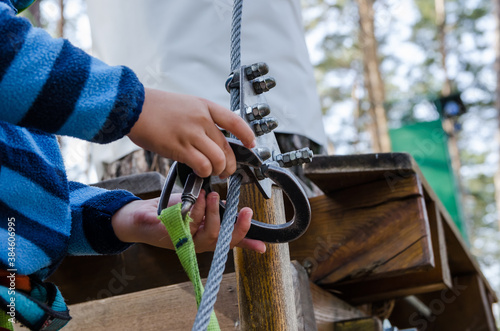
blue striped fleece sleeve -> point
(91, 211)
(49, 84)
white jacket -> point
(183, 46)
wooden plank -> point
(303, 299)
(331, 173)
(264, 280)
(141, 267)
(408, 313)
(146, 186)
(173, 308)
(355, 294)
(340, 243)
(166, 308)
(461, 313)
(439, 244)
(460, 259)
(413, 283)
(465, 306)
(329, 309)
(361, 324)
(178, 301)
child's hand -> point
(183, 128)
(137, 222)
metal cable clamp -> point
(263, 165)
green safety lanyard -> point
(5, 324)
(180, 234)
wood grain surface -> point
(367, 231)
(265, 287)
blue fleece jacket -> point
(47, 87)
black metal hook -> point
(284, 179)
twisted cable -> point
(233, 196)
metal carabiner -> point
(293, 229)
(192, 188)
(248, 161)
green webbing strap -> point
(5, 324)
(180, 234)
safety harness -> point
(37, 305)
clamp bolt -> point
(233, 81)
(251, 72)
(301, 156)
(261, 85)
(257, 111)
(256, 70)
(263, 126)
(263, 152)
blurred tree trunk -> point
(357, 115)
(62, 20)
(449, 124)
(496, 5)
(441, 26)
(372, 77)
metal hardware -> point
(261, 85)
(248, 159)
(251, 72)
(264, 153)
(233, 81)
(263, 165)
(192, 187)
(256, 70)
(307, 264)
(191, 192)
(257, 112)
(263, 126)
(249, 98)
(290, 159)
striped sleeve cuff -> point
(92, 210)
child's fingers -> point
(197, 161)
(212, 217)
(214, 153)
(230, 161)
(233, 123)
(197, 212)
(205, 238)
(174, 199)
(240, 230)
(253, 245)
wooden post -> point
(264, 281)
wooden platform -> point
(378, 235)
(403, 242)
(174, 308)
